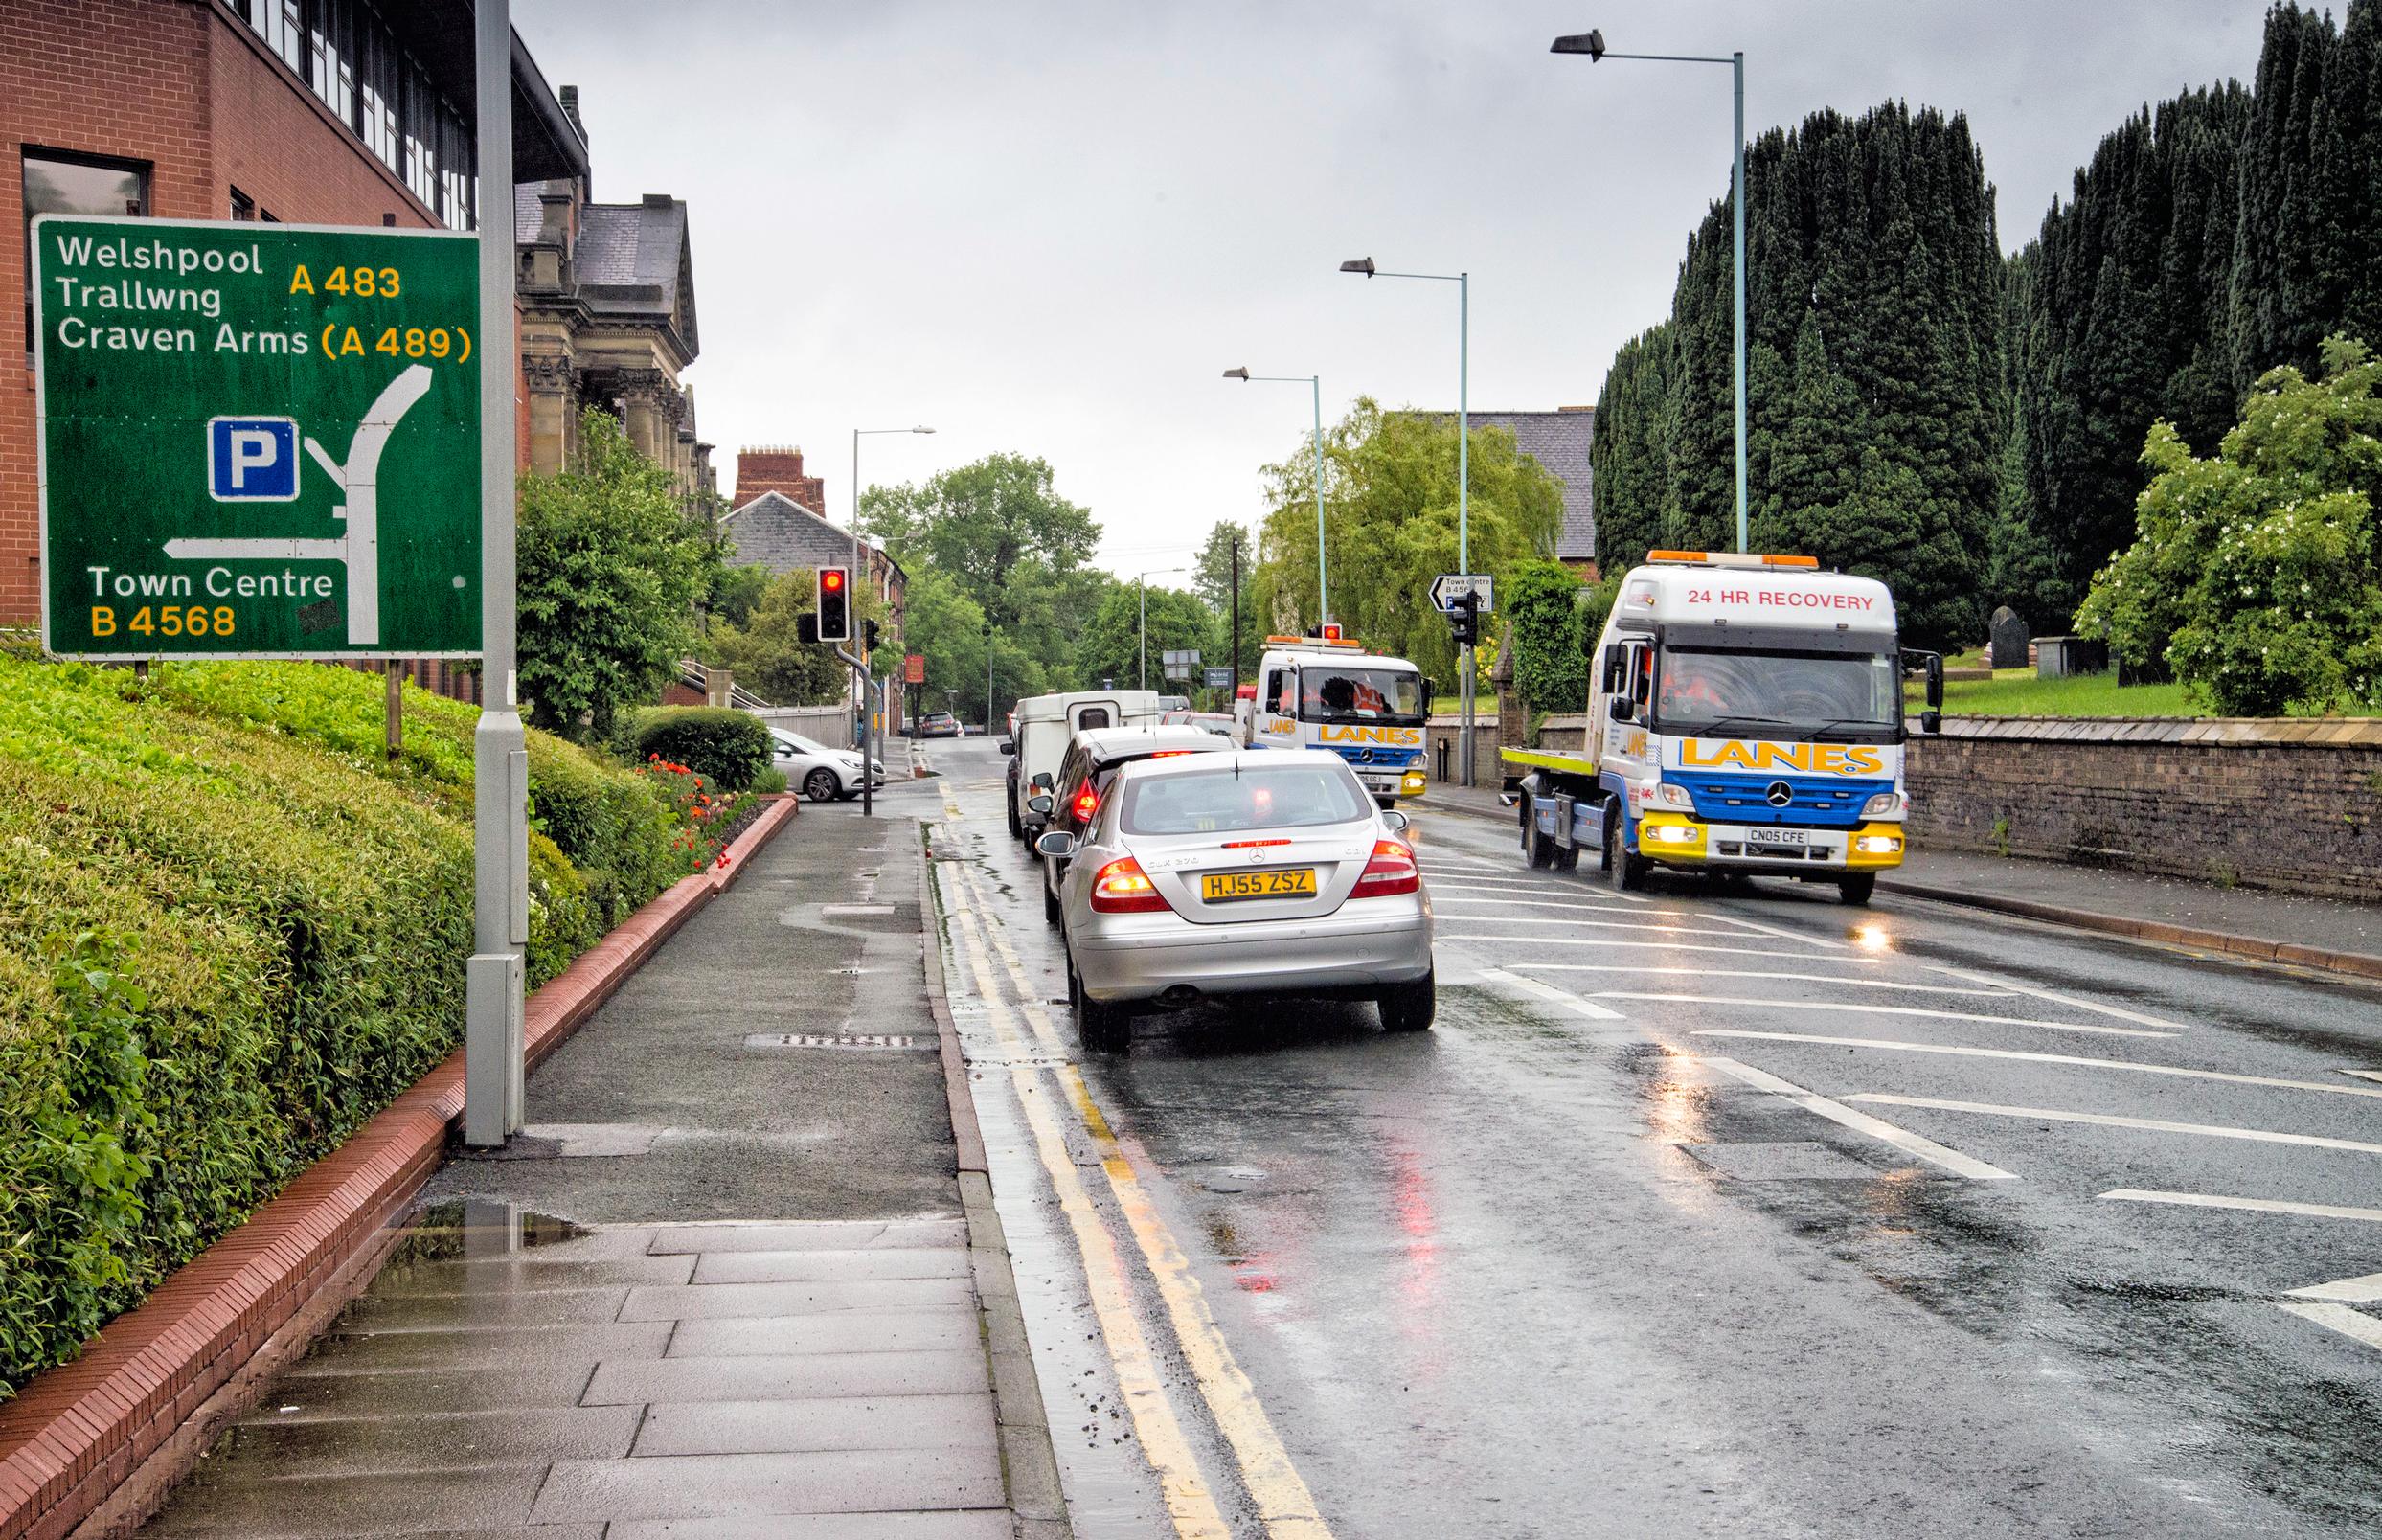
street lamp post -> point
(859, 567)
(1315, 382)
(1141, 580)
(1463, 463)
(1592, 44)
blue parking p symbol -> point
(252, 460)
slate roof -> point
(782, 536)
(1558, 441)
(633, 261)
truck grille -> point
(1818, 801)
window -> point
(243, 207)
(1822, 697)
(1220, 802)
(76, 184)
(331, 58)
(1342, 693)
(277, 22)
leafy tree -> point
(1213, 580)
(1390, 514)
(736, 591)
(1111, 648)
(609, 572)
(2258, 573)
(1541, 600)
(1630, 454)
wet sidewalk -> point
(2157, 908)
(722, 1287)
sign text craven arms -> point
(258, 439)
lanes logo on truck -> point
(1813, 759)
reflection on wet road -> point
(1702, 1211)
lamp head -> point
(1590, 43)
(1362, 265)
(1237, 373)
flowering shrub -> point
(704, 816)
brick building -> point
(356, 112)
(776, 467)
(780, 521)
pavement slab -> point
(803, 1377)
(820, 1266)
(980, 1525)
(960, 1421)
(730, 1486)
(832, 1331)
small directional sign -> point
(1448, 585)
(1220, 677)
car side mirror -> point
(1057, 842)
(1930, 721)
(1008, 746)
(1042, 782)
(1620, 708)
(1041, 805)
(1395, 820)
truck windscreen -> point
(1354, 693)
(1840, 696)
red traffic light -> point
(1331, 630)
(832, 579)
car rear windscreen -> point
(1228, 801)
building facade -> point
(1559, 441)
(343, 112)
(779, 522)
(608, 320)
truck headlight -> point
(1883, 805)
(1674, 833)
(1672, 794)
(1878, 843)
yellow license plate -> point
(1291, 882)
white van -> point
(1041, 728)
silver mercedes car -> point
(1243, 872)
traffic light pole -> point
(868, 705)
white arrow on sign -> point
(359, 479)
(1448, 585)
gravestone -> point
(2010, 640)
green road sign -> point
(258, 441)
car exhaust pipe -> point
(1179, 995)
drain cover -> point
(818, 1040)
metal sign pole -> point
(493, 1092)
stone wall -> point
(1442, 741)
(2288, 804)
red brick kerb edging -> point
(82, 1429)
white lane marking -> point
(1589, 924)
(1528, 885)
(1548, 903)
(1753, 973)
(1880, 1010)
(2365, 1074)
(2348, 1290)
(2041, 1058)
(1901, 1138)
(2155, 1125)
(2119, 1011)
(2339, 1318)
(2218, 1200)
(1773, 930)
(1667, 946)
(1549, 992)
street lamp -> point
(868, 683)
(1592, 44)
(1141, 580)
(1464, 457)
(1323, 591)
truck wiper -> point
(1722, 724)
(1838, 724)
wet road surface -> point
(1701, 1213)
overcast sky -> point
(1049, 228)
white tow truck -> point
(1745, 717)
(1328, 692)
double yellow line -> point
(1284, 1502)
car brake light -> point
(1391, 871)
(1087, 802)
(1169, 753)
(1123, 888)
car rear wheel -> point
(1857, 888)
(1409, 1007)
(821, 785)
(1099, 1025)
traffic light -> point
(1331, 631)
(868, 637)
(1464, 618)
(836, 604)
(807, 627)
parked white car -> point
(1241, 872)
(818, 772)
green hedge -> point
(231, 930)
(727, 748)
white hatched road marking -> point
(2219, 1200)
(1901, 1138)
(1548, 903)
(1667, 946)
(2365, 1074)
(1774, 931)
(1549, 992)
(1509, 883)
(2013, 984)
(2340, 1317)
(2041, 1058)
(1880, 1010)
(1754, 973)
(2104, 1120)
(1588, 924)
(2348, 1290)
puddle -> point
(455, 1228)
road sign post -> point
(1465, 597)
